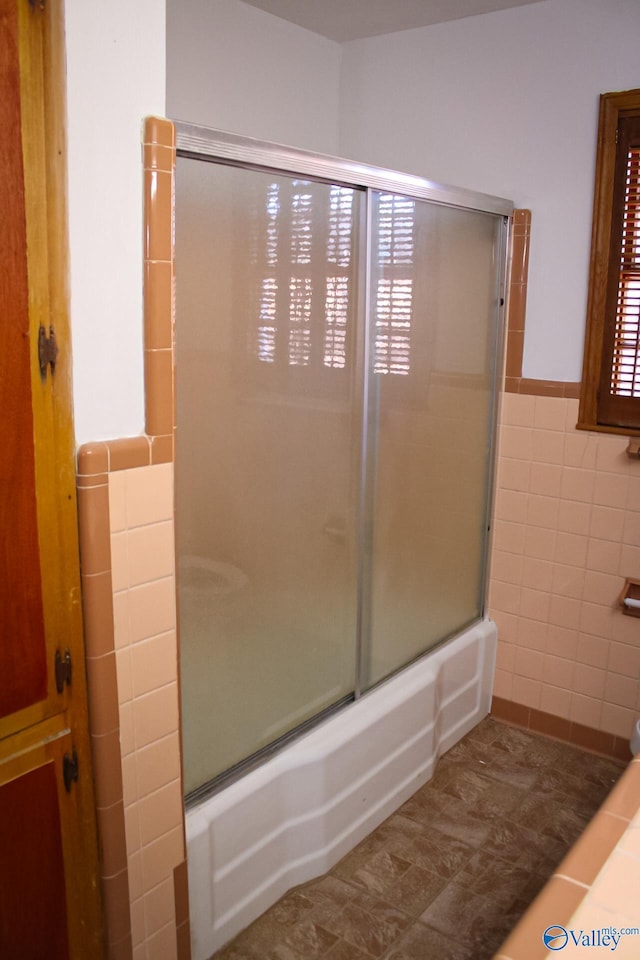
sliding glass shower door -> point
(267, 455)
(336, 349)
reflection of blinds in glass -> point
(394, 301)
(300, 293)
(625, 365)
(305, 293)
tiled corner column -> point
(127, 528)
(594, 887)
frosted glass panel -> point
(267, 456)
(434, 296)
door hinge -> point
(70, 769)
(47, 350)
(63, 670)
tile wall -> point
(566, 535)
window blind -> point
(625, 364)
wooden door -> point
(49, 903)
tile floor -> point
(448, 875)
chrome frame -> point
(231, 148)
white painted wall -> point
(504, 103)
(116, 77)
(236, 68)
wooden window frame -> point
(604, 274)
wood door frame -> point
(41, 53)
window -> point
(610, 397)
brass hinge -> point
(47, 350)
(70, 769)
(63, 670)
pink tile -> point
(624, 629)
(503, 684)
(518, 409)
(121, 637)
(603, 556)
(514, 474)
(506, 567)
(159, 763)
(624, 659)
(580, 450)
(159, 907)
(129, 781)
(589, 681)
(160, 857)
(571, 417)
(564, 612)
(534, 604)
(155, 715)
(537, 574)
(562, 642)
(548, 446)
(149, 494)
(550, 413)
(154, 663)
(504, 596)
(132, 827)
(602, 587)
(528, 663)
(622, 691)
(532, 634)
(594, 650)
(612, 890)
(631, 528)
(585, 710)
(610, 489)
(509, 537)
(545, 479)
(163, 945)
(571, 549)
(506, 623)
(568, 581)
(630, 561)
(127, 737)
(558, 672)
(612, 456)
(633, 494)
(117, 502)
(556, 701)
(151, 552)
(511, 505)
(135, 875)
(123, 672)
(119, 561)
(543, 511)
(597, 619)
(526, 691)
(578, 484)
(574, 517)
(540, 543)
(516, 443)
(137, 922)
(152, 609)
(160, 812)
(505, 656)
(607, 523)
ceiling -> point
(343, 20)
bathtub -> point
(295, 816)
